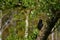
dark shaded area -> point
(55, 12)
(51, 23)
(40, 25)
(49, 27)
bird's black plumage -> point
(40, 24)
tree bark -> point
(26, 28)
(44, 33)
(0, 25)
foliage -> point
(8, 3)
(33, 35)
(19, 16)
(28, 3)
(47, 5)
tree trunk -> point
(44, 33)
(27, 24)
(0, 25)
(0, 31)
(52, 35)
(26, 28)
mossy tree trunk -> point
(46, 31)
